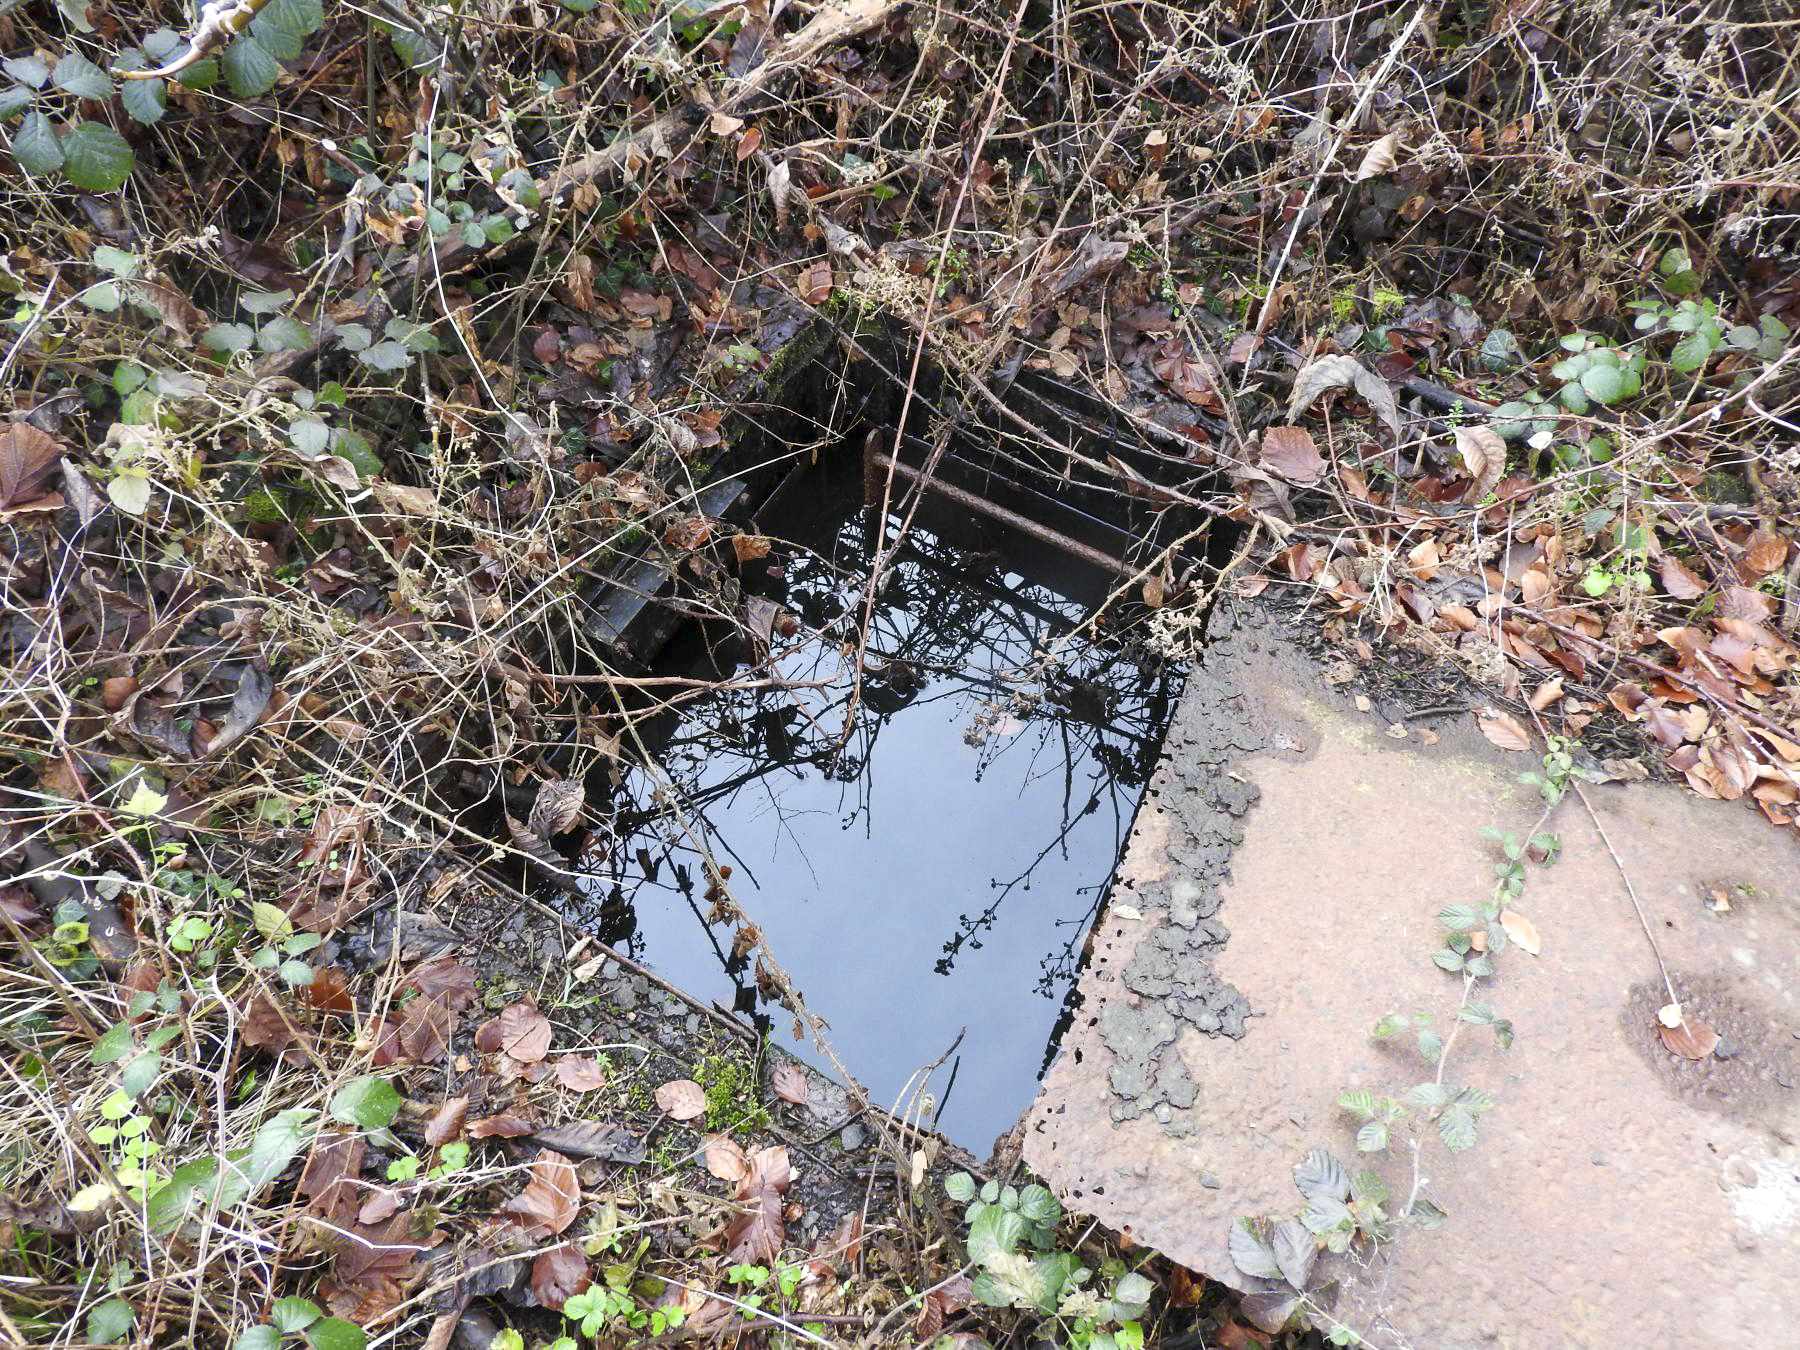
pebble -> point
(852, 1137)
(1210, 1180)
(1727, 1048)
(625, 997)
(692, 1023)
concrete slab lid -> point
(1617, 1196)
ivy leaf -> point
(81, 77)
(34, 145)
(249, 69)
(96, 157)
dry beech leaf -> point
(724, 1157)
(1503, 730)
(1343, 372)
(506, 1125)
(1546, 694)
(788, 1082)
(551, 1199)
(1381, 157)
(412, 501)
(1522, 931)
(749, 547)
(520, 1030)
(593, 1139)
(1680, 580)
(1484, 456)
(1155, 592)
(1691, 1038)
(447, 1121)
(1292, 453)
(580, 1073)
(681, 1099)
(558, 1275)
(27, 458)
(557, 807)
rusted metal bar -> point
(874, 462)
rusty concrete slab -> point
(1618, 1195)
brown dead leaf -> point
(724, 1157)
(580, 1073)
(1381, 157)
(1690, 1038)
(551, 1199)
(1343, 372)
(814, 284)
(520, 1030)
(404, 498)
(593, 1139)
(681, 1099)
(447, 1121)
(1546, 693)
(756, 1233)
(1292, 453)
(328, 1182)
(558, 1275)
(788, 1082)
(749, 547)
(1764, 553)
(1503, 729)
(1521, 930)
(505, 1125)
(1187, 374)
(1483, 456)
(1679, 580)
(27, 457)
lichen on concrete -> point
(1172, 969)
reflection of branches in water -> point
(948, 626)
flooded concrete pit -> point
(939, 876)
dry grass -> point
(683, 202)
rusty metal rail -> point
(876, 462)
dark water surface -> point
(940, 875)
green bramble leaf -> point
(35, 148)
(96, 158)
